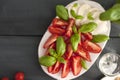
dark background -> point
(22, 25)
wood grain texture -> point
(23, 23)
(32, 17)
(20, 54)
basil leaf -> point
(116, 5)
(89, 27)
(112, 14)
(62, 12)
(79, 17)
(61, 60)
(73, 13)
(117, 1)
(83, 63)
(47, 60)
(60, 46)
(74, 29)
(75, 39)
(53, 52)
(89, 16)
(75, 5)
(118, 22)
(99, 38)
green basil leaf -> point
(79, 17)
(47, 60)
(117, 1)
(62, 12)
(100, 38)
(75, 39)
(89, 16)
(116, 5)
(112, 14)
(75, 5)
(89, 27)
(118, 22)
(60, 46)
(61, 60)
(73, 13)
(74, 29)
(53, 52)
(83, 63)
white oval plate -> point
(41, 50)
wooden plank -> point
(28, 17)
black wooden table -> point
(22, 24)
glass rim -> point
(98, 63)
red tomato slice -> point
(69, 28)
(4, 78)
(91, 47)
(65, 69)
(50, 40)
(76, 66)
(56, 30)
(87, 36)
(56, 67)
(59, 22)
(51, 46)
(83, 53)
(50, 69)
(69, 52)
(19, 76)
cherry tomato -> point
(19, 76)
(5, 78)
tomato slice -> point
(69, 28)
(57, 22)
(51, 46)
(83, 53)
(87, 36)
(50, 69)
(76, 65)
(69, 52)
(50, 40)
(65, 69)
(56, 67)
(56, 30)
(91, 47)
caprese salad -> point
(74, 34)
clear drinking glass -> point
(109, 64)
